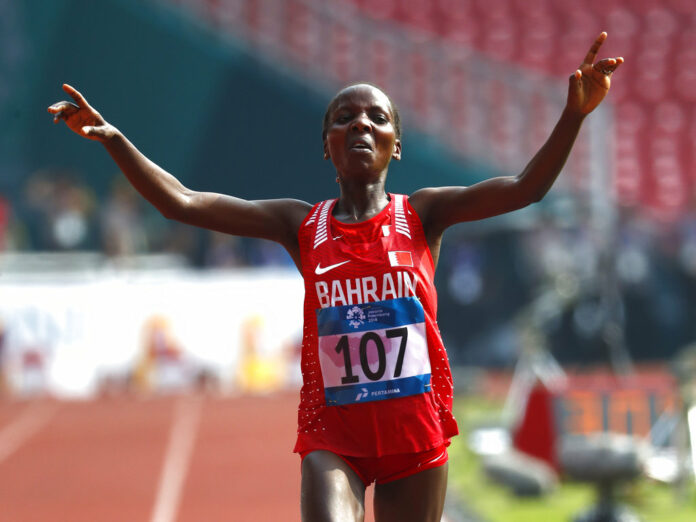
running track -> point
(185, 458)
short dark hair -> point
(334, 101)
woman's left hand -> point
(590, 83)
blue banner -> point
(377, 391)
(380, 315)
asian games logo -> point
(355, 316)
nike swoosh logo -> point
(319, 270)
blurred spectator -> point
(487, 278)
(687, 243)
(13, 233)
(162, 365)
(261, 252)
(122, 222)
(636, 242)
(4, 222)
(37, 194)
(224, 251)
(466, 278)
(72, 223)
(59, 212)
(170, 237)
(258, 372)
(6, 239)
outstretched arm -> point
(277, 220)
(439, 208)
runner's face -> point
(361, 131)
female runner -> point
(376, 398)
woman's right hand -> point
(81, 118)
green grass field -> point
(652, 502)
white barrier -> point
(69, 334)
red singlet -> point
(376, 378)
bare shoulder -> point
(291, 212)
(442, 207)
(427, 202)
(283, 218)
(422, 198)
(274, 219)
(295, 210)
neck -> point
(360, 201)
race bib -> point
(374, 351)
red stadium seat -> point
(656, 37)
(382, 60)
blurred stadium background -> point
(572, 317)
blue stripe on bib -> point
(347, 319)
(377, 391)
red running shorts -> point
(393, 467)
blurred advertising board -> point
(593, 402)
(78, 335)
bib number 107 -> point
(372, 340)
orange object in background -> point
(597, 401)
(259, 372)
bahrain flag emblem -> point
(400, 259)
